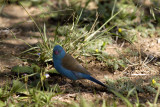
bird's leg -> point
(63, 80)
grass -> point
(21, 95)
(89, 39)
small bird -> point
(66, 65)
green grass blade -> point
(129, 104)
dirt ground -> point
(16, 19)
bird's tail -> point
(96, 81)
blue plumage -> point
(69, 67)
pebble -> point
(158, 40)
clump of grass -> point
(124, 85)
(133, 91)
(75, 40)
(18, 95)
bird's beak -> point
(56, 52)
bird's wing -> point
(70, 63)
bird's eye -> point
(56, 52)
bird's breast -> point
(68, 73)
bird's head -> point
(58, 52)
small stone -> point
(25, 63)
(158, 40)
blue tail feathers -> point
(96, 81)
